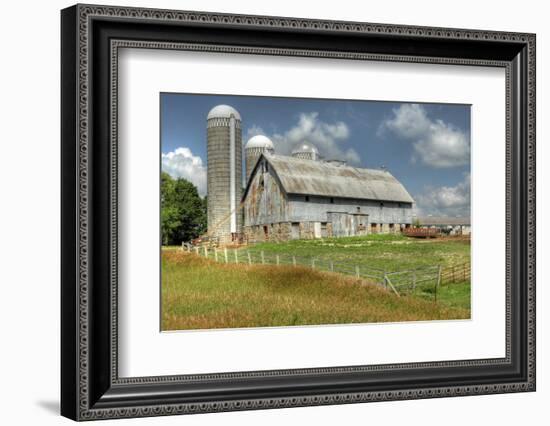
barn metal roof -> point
(444, 220)
(308, 177)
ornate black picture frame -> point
(91, 37)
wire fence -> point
(422, 281)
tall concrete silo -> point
(306, 151)
(224, 178)
(256, 146)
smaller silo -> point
(256, 146)
(306, 151)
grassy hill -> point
(199, 293)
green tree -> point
(183, 211)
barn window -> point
(331, 200)
(307, 198)
(358, 209)
(381, 204)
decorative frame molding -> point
(91, 37)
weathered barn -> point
(299, 197)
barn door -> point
(295, 231)
(317, 229)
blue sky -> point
(425, 146)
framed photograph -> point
(263, 212)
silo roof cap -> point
(223, 111)
(305, 147)
(259, 141)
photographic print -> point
(301, 191)
(283, 212)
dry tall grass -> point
(200, 294)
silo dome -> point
(306, 151)
(259, 141)
(223, 111)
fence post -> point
(294, 260)
(263, 258)
(357, 274)
(249, 258)
(438, 282)
(225, 254)
(312, 263)
(206, 252)
(388, 282)
(236, 256)
(464, 272)
(277, 257)
(216, 254)
(331, 266)
(197, 250)
(182, 246)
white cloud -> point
(435, 143)
(445, 200)
(181, 163)
(253, 131)
(327, 137)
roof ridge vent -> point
(335, 162)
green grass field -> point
(382, 251)
(455, 295)
(200, 293)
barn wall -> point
(265, 202)
(316, 209)
(346, 224)
(270, 232)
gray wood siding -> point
(265, 202)
(316, 209)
